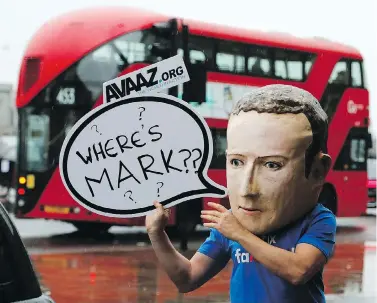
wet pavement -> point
(116, 274)
(121, 267)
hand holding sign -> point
(122, 171)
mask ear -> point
(321, 167)
(326, 162)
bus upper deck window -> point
(259, 66)
(219, 148)
(197, 56)
(230, 57)
(357, 80)
(340, 74)
(280, 69)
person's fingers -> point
(158, 205)
(217, 206)
(210, 218)
(167, 211)
(210, 225)
(211, 213)
(160, 209)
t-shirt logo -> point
(243, 257)
(269, 239)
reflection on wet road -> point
(120, 275)
(123, 268)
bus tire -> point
(91, 228)
(328, 198)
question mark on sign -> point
(158, 190)
(96, 127)
(200, 155)
(143, 110)
(129, 191)
(184, 161)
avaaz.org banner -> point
(151, 79)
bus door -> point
(349, 139)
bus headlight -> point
(76, 210)
(21, 203)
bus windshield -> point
(42, 135)
(50, 115)
(35, 129)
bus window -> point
(280, 69)
(219, 148)
(62, 120)
(353, 155)
(259, 62)
(81, 84)
(201, 50)
(134, 46)
(98, 67)
(230, 58)
(358, 148)
(197, 56)
(295, 70)
(32, 71)
(356, 73)
(36, 138)
(292, 65)
(258, 66)
(308, 67)
(308, 60)
(43, 133)
(340, 74)
(338, 82)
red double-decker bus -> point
(69, 58)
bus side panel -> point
(350, 185)
(55, 194)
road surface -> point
(121, 266)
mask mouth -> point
(249, 209)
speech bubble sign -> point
(123, 155)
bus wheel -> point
(91, 228)
(328, 198)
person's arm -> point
(296, 267)
(313, 250)
(187, 275)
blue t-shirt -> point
(252, 282)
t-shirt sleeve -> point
(321, 233)
(214, 246)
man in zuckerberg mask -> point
(276, 233)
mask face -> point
(266, 169)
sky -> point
(349, 22)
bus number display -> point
(66, 95)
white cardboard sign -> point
(123, 155)
(153, 78)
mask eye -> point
(236, 162)
(273, 165)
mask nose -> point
(249, 184)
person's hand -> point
(156, 221)
(224, 221)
